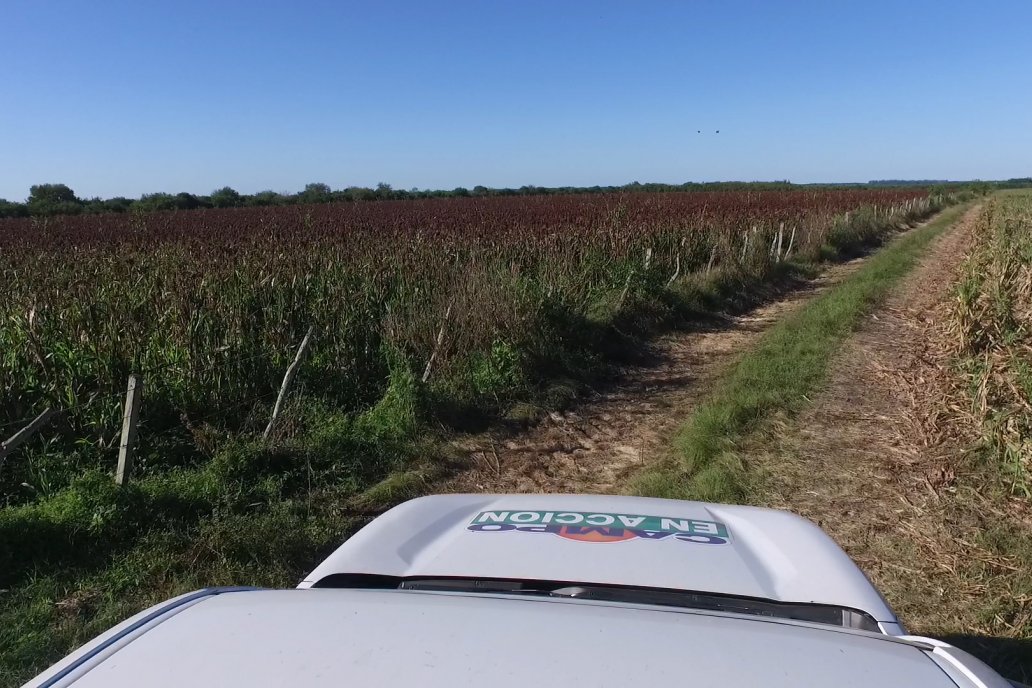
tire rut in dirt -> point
(597, 446)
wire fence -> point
(132, 400)
(64, 409)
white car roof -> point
(610, 540)
(355, 637)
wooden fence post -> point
(623, 294)
(677, 269)
(439, 340)
(25, 433)
(130, 415)
(288, 378)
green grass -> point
(790, 362)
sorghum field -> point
(209, 306)
(425, 316)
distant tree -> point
(52, 193)
(93, 206)
(316, 193)
(263, 198)
(9, 209)
(384, 191)
(225, 197)
(359, 193)
(152, 202)
(460, 191)
(186, 201)
(96, 205)
(118, 204)
(53, 199)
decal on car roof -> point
(585, 526)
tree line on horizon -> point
(59, 199)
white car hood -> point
(632, 541)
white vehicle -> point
(531, 591)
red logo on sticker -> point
(595, 534)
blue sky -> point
(124, 98)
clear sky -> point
(123, 98)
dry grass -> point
(990, 332)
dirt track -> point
(880, 461)
(597, 446)
(867, 459)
